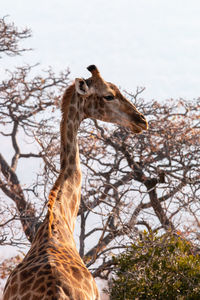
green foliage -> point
(157, 268)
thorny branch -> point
(10, 36)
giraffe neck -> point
(64, 199)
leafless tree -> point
(147, 182)
(27, 104)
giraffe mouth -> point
(138, 122)
(139, 127)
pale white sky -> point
(151, 43)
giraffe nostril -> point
(139, 118)
(140, 121)
(143, 119)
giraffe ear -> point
(81, 86)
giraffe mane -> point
(66, 99)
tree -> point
(157, 267)
(149, 181)
(131, 183)
(23, 100)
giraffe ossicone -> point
(53, 268)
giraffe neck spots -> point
(72, 117)
(64, 197)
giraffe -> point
(53, 268)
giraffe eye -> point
(109, 98)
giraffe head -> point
(104, 101)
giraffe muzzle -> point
(140, 122)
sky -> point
(149, 43)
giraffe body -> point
(53, 268)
